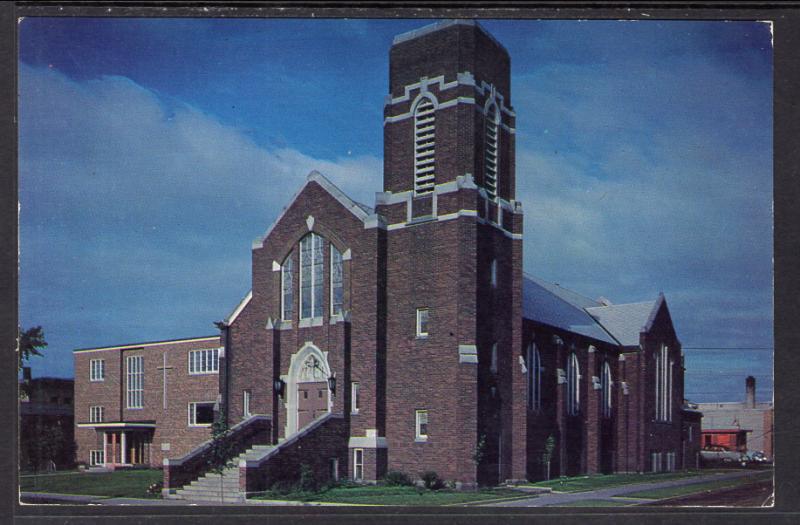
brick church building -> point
(406, 336)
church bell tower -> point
(453, 257)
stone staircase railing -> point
(255, 430)
(315, 445)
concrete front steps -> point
(207, 487)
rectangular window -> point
(135, 381)
(96, 414)
(311, 253)
(358, 464)
(337, 281)
(287, 289)
(204, 361)
(201, 414)
(96, 457)
(670, 461)
(422, 425)
(97, 370)
(354, 401)
(246, 403)
(655, 461)
(422, 322)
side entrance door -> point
(312, 402)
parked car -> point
(758, 457)
(721, 454)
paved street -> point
(613, 493)
(542, 500)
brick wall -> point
(322, 441)
(172, 430)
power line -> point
(727, 348)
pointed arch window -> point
(491, 149)
(534, 377)
(311, 280)
(337, 281)
(605, 386)
(663, 385)
(287, 288)
(573, 385)
(424, 146)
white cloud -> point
(146, 205)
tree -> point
(221, 449)
(547, 455)
(30, 342)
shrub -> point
(307, 481)
(431, 480)
(155, 489)
(397, 478)
(282, 486)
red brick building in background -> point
(138, 403)
(405, 336)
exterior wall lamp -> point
(332, 383)
(280, 386)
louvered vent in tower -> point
(492, 146)
(424, 146)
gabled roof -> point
(626, 321)
(361, 211)
(618, 324)
(553, 305)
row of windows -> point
(204, 361)
(536, 371)
(311, 280)
(662, 461)
(425, 146)
(200, 414)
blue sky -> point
(153, 151)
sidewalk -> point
(613, 493)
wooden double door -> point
(312, 402)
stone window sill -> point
(312, 321)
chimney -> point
(750, 389)
(26, 373)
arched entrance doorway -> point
(307, 396)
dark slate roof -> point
(553, 305)
(618, 324)
(625, 321)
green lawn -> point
(594, 503)
(386, 495)
(601, 481)
(671, 492)
(121, 483)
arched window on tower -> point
(287, 288)
(491, 150)
(605, 385)
(534, 378)
(424, 146)
(573, 385)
